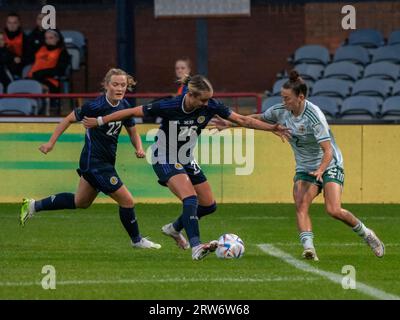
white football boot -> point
(181, 241)
(310, 254)
(200, 251)
(146, 244)
(375, 244)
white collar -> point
(108, 101)
(183, 106)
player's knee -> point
(127, 202)
(334, 212)
(82, 204)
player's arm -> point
(253, 122)
(326, 160)
(116, 116)
(61, 127)
(136, 141)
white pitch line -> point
(336, 278)
(170, 280)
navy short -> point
(166, 171)
(104, 179)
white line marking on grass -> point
(334, 244)
(169, 280)
(336, 278)
(325, 217)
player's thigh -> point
(181, 186)
(204, 194)
(304, 193)
(333, 196)
(123, 197)
(85, 194)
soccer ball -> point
(230, 246)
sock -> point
(190, 221)
(129, 221)
(202, 211)
(306, 239)
(58, 202)
(205, 211)
(361, 229)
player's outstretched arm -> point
(326, 160)
(136, 141)
(254, 122)
(116, 116)
(61, 127)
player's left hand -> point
(219, 123)
(140, 153)
(318, 174)
(89, 122)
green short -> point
(335, 175)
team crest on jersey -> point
(201, 119)
(301, 129)
(113, 180)
(178, 166)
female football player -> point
(183, 67)
(97, 163)
(319, 163)
(183, 118)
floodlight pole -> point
(126, 35)
(202, 46)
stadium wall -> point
(371, 156)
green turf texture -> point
(91, 245)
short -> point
(103, 179)
(335, 174)
(167, 171)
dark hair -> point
(296, 83)
(13, 14)
(197, 84)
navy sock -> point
(205, 211)
(58, 202)
(190, 221)
(202, 211)
(128, 219)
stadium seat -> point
(312, 54)
(328, 105)
(367, 38)
(310, 71)
(391, 109)
(355, 54)
(396, 89)
(76, 46)
(394, 38)
(372, 87)
(269, 102)
(27, 86)
(359, 108)
(343, 70)
(382, 70)
(388, 53)
(332, 87)
(16, 106)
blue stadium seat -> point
(382, 70)
(328, 105)
(372, 87)
(269, 102)
(312, 54)
(310, 71)
(343, 70)
(27, 86)
(367, 38)
(360, 108)
(16, 106)
(396, 89)
(76, 46)
(394, 38)
(332, 87)
(391, 108)
(388, 53)
(355, 54)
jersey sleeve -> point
(83, 111)
(223, 111)
(152, 110)
(321, 131)
(129, 122)
(270, 115)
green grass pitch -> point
(94, 260)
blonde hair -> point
(197, 84)
(119, 72)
